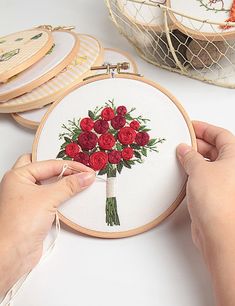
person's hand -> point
(27, 211)
(211, 203)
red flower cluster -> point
(96, 143)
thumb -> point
(70, 185)
(189, 158)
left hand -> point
(27, 211)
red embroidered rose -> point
(106, 141)
(83, 158)
(98, 160)
(87, 140)
(87, 124)
(121, 110)
(101, 126)
(142, 138)
(72, 149)
(118, 122)
(107, 113)
(115, 157)
(126, 135)
(127, 153)
(135, 125)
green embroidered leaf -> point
(61, 154)
(130, 162)
(135, 146)
(146, 130)
(119, 147)
(144, 152)
(67, 158)
(126, 164)
(51, 50)
(19, 39)
(152, 142)
(120, 167)
(36, 36)
(66, 139)
(2, 41)
(137, 154)
(128, 117)
(142, 128)
(75, 137)
(91, 115)
(64, 145)
(103, 171)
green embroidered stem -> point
(208, 6)
(112, 217)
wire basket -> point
(198, 48)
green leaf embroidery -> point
(135, 146)
(126, 164)
(67, 139)
(120, 167)
(67, 158)
(137, 154)
(144, 152)
(36, 36)
(91, 115)
(61, 154)
(103, 171)
(119, 147)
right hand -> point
(211, 202)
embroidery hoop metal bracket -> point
(112, 69)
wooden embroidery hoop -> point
(30, 60)
(171, 208)
(220, 36)
(33, 125)
(46, 76)
(140, 24)
(9, 107)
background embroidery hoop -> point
(189, 26)
(42, 71)
(90, 53)
(33, 50)
(171, 207)
(110, 55)
(143, 18)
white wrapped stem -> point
(111, 187)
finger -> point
(213, 135)
(44, 170)
(23, 160)
(70, 186)
(207, 150)
(189, 158)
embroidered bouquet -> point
(108, 140)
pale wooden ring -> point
(46, 77)
(197, 34)
(167, 212)
(32, 60)
(53, 97)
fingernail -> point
(85, 178)
(183, 149)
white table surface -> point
(160, 267)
